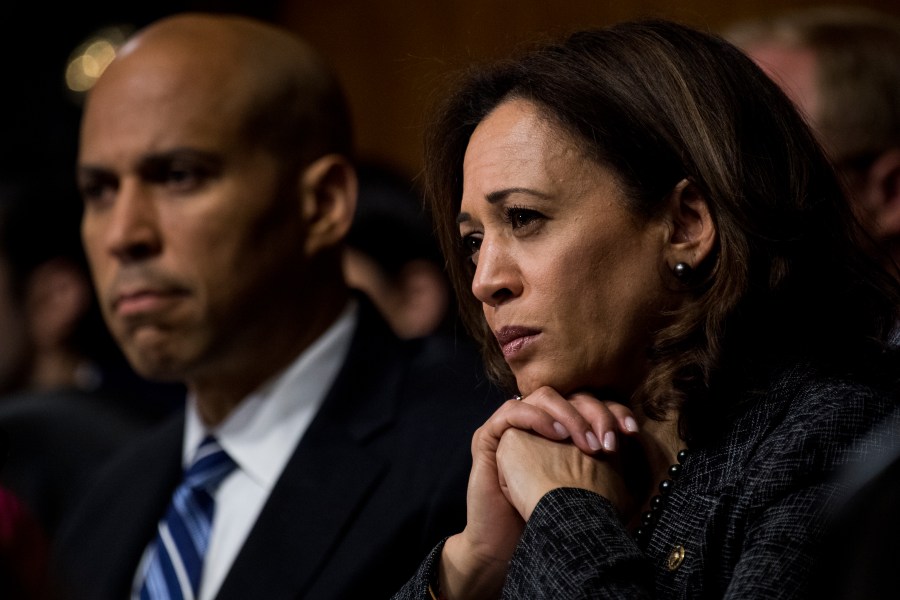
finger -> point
(521, 415)
(583, 432)
(598, 412)
(627, 423)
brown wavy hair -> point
(658, 102)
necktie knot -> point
(211, 465)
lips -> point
(513, 338)
(144, 300)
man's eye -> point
(183, 177)
(96, 191)
(177, 175)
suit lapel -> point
(129, 523)
(327, 478)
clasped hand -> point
(527, 448)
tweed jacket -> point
(742, 520)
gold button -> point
(676, 557)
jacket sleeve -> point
(417, 587)
(574, 547)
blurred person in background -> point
(393, 257)
(841, 67)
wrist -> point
(464, 573)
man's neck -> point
(220, 390)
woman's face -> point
(570, 281)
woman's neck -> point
(662, 443)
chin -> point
(565, 383)
(528, 382)
(155, 366)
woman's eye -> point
(470, 245)
(521, 217)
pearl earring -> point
(682, 270)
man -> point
(213, 164)
(841, 67)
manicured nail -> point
(609, 441)
(631, 425)
(560, 430)
(592, 441)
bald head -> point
(276, 91)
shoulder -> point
(419, 396)
(438, 370)
(151, 453)
(801, 421)
(802, 399)
(833, 405)
(804, 424)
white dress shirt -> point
(260, 436)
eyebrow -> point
(90, 171)
(499, 195)
(156, 161)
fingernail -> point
(592, 441)
(560, 430)
(609, 441)
(631, 425)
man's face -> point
(192, 235)
(794, 69)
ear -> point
(692, 234)
(57, 295)
(328, 189)
(880, 197)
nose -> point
(497, 279)
(131, 228)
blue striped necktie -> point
(176, 562)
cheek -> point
(593, 291)
(91, 240)
(569, 277)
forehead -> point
(157, 101)
(516, 142)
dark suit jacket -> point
(748, 510)
(378, 478)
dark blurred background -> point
(391, 55)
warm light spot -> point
(97, 57)
(88, 61)
(77, 78)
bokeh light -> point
(87, 62)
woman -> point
(657, 259)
